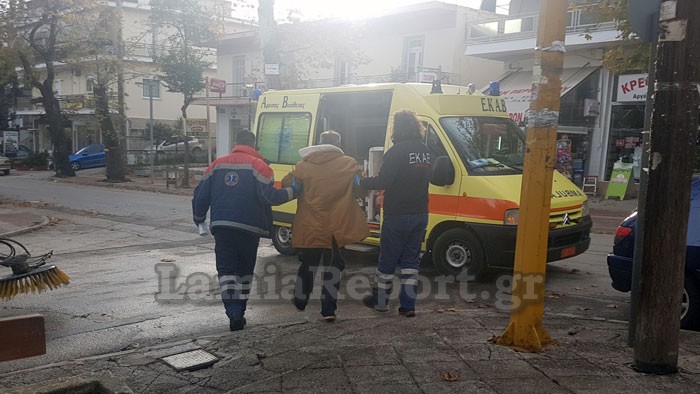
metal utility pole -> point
(150, 124)
(674, 133)
(206, 87)
(526, 330)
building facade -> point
(418, 43)
(597, 124)
(74, 87)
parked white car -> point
(5, 165)
(177, 144)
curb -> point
(45, 222)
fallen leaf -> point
(613, 306)
(484, 306)
(583, 308)
(553, 294)
(594, 285)
(493, 339)
(575, 271)
(573, 331)
(450, 377)
(450, 310)
(577, 288)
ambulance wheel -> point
(458, 250)
(282, 240)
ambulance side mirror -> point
(443, 172)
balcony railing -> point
(580, 20)
(141, 50)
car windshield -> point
(80, 152)
(487, 146)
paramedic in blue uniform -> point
(404, 177)
(238, 190)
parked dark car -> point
(620, 261)
(88, 157)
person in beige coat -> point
(328, 217)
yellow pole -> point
(525, 330)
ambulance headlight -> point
(511, 217)
(585, 210)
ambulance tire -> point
(282, 240)
(457, 250)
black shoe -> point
(329, 318)
(236, 324)
(407, 312)
(299, 304)
(371, 302)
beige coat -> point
(327, 207)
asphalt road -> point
(141, 275)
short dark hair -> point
(330, 137)
(406, 126)
(245, 137)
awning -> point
(516, 89)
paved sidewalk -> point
(442, 351)
(16, 219)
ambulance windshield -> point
(487, 146)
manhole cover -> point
(190, 361)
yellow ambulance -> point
(477, 156)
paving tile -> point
(373, 388)
(432, 371)
(371, 355)
(525, 386)
(559, 368)
(329, 378)
(459, 387)
(487, 351)
(504, 370)
(380, 375)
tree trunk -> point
(113, 151)
(61, 145)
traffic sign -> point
(643, 16)
(217, 85)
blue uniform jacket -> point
(239, 190)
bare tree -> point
(42, 35)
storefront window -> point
(625, 136)
(573, 110)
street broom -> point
(30, 274)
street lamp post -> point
(150, 124)
(152, 151)
(249, 90)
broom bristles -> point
(33, 283)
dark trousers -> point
(236, 252)
(333, 266)
(399, 246)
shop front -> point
(577, 115)
(627, 123)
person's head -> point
(406, 127)
(330, 137)
(245, 137)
